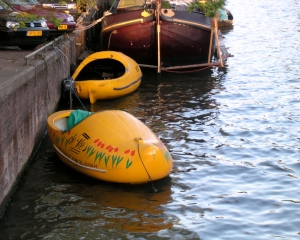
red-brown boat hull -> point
(183, 40)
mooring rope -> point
(108, 45)
(186, 71)
(74, 92)
(89, 26)
(69, 78)
(138, 146)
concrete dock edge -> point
(28, 94)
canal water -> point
(233, 133)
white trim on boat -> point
(77, 164)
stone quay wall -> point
(29, 92)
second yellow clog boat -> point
(110, 145)
(106, 75)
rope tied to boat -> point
(138, 140)
(90, 25)
(73, 92)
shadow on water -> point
(232, 133)
(55, 202)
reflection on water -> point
(61, 200)
(106, 206)
(232, 133)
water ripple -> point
(233, 135)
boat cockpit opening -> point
(101, 69)
(75, 117)
(62, 123)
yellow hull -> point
(109, 83)
(112, 146)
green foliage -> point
(51, 18)
(59, 1)
(24, 17)
(209, 7)
(83, 5)
(54, 20)
(165, 4)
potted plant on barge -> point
(208, 7)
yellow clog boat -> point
(110, 145)
(106, 75)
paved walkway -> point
(9, 55)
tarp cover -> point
(223, 14)
(76, 117)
